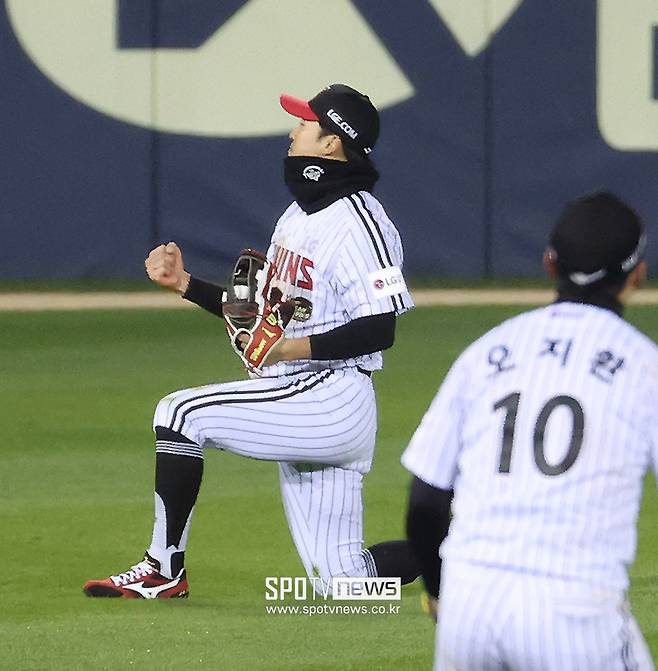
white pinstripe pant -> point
(495, 620)
(321, 429)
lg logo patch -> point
(387, 282)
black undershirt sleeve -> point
(428, 519)
(205, 295)
(364, 335)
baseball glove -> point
(254, 323)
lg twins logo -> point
(313, 172)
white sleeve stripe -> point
(371, 234)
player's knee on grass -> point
(340, 565)
(393, 559)
(389, 559)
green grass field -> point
(76, 396)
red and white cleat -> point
(141, 581)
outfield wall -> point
(131, 122)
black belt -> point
(367, 373)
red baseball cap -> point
(297, 107)
(341, 110)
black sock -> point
(177, 483)
(394, 559)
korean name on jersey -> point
(545, 428)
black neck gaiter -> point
(570, 294)
(317, 182)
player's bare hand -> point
(164, 266)
(290, 349)
(429, 605)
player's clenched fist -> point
(164, 266)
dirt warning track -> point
(106, 300)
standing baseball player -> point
(544, 429)
(309, 323)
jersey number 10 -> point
(511, 405)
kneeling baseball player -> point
(309, 321)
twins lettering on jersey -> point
(604, 364)
(291, 268)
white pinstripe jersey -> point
(346, 260)
(545, 427)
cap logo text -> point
(338, 120)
